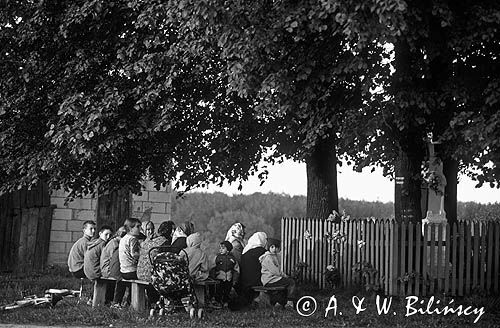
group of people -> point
(126, 255)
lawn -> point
(68, 312)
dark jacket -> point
(92, 257)
(250, 267)
(178, 244)
(226, 267)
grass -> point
(67, 312)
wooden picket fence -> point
(397, 257)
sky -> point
(290, 178)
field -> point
(69, 313)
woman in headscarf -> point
(250, 266)
(180, 235)
(144, 266)
(235, 236)
(197, 258)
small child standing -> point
(272, 276)
(92, 257)
(226, 271)
(77, 252)
(198, 260)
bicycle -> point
(51, 297)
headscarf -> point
(236, 232)
(258, 239)
(183, 230)
(194, 240)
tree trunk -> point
(322, 194)
(407, 197)
(407, 190)
(450, 170)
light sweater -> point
(128, 253)
(76, 254)
(271, 268)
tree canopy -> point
(97, 94)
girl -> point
(128, 254)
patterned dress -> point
(144, 267)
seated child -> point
(77, 252)
(272, 276)
(198, 260)
(110, 264)
(226, 271)
(92, 257)
(128, 255)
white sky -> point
(290, 178)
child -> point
(128, 254)
(110, 264)
(272, 276)
(128, 250)
(92, 257)
(77, 252)
(198, 260)
(227, 271)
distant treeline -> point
(270, 208)
(214, 213)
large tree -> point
(304, 65)
(445, 73)
(96, 94)
(99, 93)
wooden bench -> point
(137, 292)
(201, 290)
(264, 297)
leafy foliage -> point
(98, 94)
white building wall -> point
(67, 219)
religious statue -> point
(437, 183)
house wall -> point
(67, 219)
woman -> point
(149, 229)
(250, 265)
(235, 236)
(180, 235)
(144, 266)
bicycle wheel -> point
(17, 304)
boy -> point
(77, 252)
(92, 257)
(226, 271)
(272, 276)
